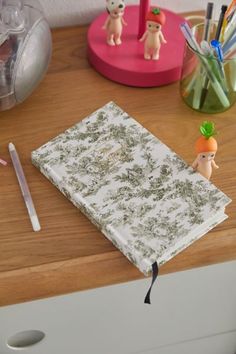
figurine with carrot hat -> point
(153, 36)
(206, 148)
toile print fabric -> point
(145, 199)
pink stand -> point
(125, 63)
(143, 10)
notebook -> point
(142, 196)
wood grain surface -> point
(70, 254)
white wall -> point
(75, 12)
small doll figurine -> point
(115, 21)
(206, 147)
(153, 36)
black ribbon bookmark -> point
(155, 271)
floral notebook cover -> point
(144, 198)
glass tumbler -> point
(206, 84)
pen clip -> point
(216, 45)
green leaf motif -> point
(207, 129)
(203, 131)
(156, 11)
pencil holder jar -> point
(207, 84)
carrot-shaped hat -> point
(156, 15)
(206, 142)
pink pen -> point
(2, 162)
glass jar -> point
(206, 84)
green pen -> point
(217, 36)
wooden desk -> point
(70, 254)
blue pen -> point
(216, 63)
(216, 45)
(186, 30)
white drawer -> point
(114, 320)
(218, 344)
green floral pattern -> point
(137, 191)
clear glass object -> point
(12, 28)
(206, 85)
(25, 49)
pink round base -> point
(125, 63)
